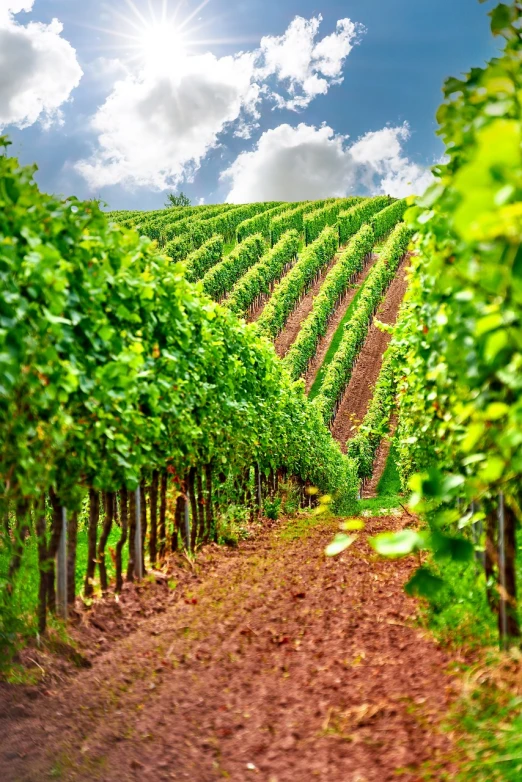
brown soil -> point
(255, 314)
(275, 664)
(325, 342)
(381, 457)
(252, 317)
(359, 392)
(287, 337)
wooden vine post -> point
(509, 628)
(61, 569)
(187, 520)
(138, 549)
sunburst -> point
(158, 34)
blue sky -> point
(129, 130)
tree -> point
(177, 200)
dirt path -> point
(326, 341)
(359, 392)
(278, 665)
(285, 340)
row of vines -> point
(130, 402)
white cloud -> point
(106, 70)
(38, 68)
(155, 129)
(307, 68)
(293, 164)
(306, 162)
(160, 120)
(8, 7)
(384, 165)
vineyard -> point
(195, 401)
(143, 442)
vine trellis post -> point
(138, 550)
(503, 601)
(61, 569)
(187, 520)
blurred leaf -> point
(424, 584)
(339, 544)
(399, 544)
(351, 525)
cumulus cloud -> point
(38, 68)
(154, 129)
(291, 164)
(306, 162)
(160, 121)
(11, 7)
(384, 166)
(307, 68)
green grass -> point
(390, 482)
(24, 600)
(334, 345)
(228, 247)
(378, 504)
(302, 525)
(486, 724)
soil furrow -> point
(287, 337)
(325, 342)
(254, 315)
(359, 392)
(278, 664)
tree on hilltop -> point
(177, 200)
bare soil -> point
(359, 392)
(325, 342)
(287, 337)
(270, 662)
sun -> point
(161, 45)
(158, 35)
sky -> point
(231, 100)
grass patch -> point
(303, 525)
(336, 341)
(376, 505)
(487, 725)
(390, 482)
(228, 247)
(18, 613)
(459, 615)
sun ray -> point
(159, 34)
(137, 12)
(164, 10)
(200, 7)
(129, 22)
(116, 33)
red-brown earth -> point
(268, 662)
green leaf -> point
(495, 411)
(424, 584)
(399, 544)
(339, 544)
(501, 18)
(450, 547)
(495, 343)
(488, 323)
